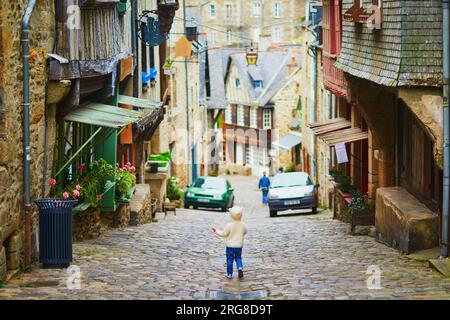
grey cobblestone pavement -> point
(299, 256)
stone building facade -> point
(394, 76)
(286, 119)
(316, 107)
(11, 147)
(183, 131)
(236, 23)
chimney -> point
(292, 65)
(265, 42)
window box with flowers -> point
(125, 183)
(361, 211)
(169, 68)
(88, 185)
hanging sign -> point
(341, 153)
(183, 48)
(151, 32)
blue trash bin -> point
(55, 232)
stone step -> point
(12, 274)
(441, 265)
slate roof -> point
(271, 69)
(217, 64)
(407, 51)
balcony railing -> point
(333, 77)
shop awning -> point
(105, 115)
(321, 128)
(139, 103)
(289, 141)
(345, 136)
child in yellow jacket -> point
(234, 232)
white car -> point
(292, 191)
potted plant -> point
(125, 181)
(159, 162)
(168, 68)
(174, 193)
(360, 211)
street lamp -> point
(251, 56)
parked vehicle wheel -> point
(224, 209)
(195, 207)
(314, 210)
(273, 213)
(186, 206)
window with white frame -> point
(228, 115)
(229, 37)
(212, 38)
(276, 34)
(277, 10)
(257, 8)
(254, 118)
(248, 155)
(240, 115)
(212, 10)
(267, 119)
(229, 10)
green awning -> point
(140, 103)
(105, 115)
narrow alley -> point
(293, 256)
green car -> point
(209, 192)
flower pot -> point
(364, 219)
(55, 232)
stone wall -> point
(87, 225)
(11, 154)
(141, 206)
(403, 222)
(173, 130)
(426, 104)
(285, 111)
(93, 224)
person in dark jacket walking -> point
(264, 184)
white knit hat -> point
(236, 212)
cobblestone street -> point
(290, 257)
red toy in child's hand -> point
(214, 229)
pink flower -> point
(66, 195)
(128, 164)
(133, 169)
(99, 197)
(78, 187)
(52, 182)
(76, 194)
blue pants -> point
(232, 255)
(264, 196)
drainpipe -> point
(188, 125)
(26, 129)
(446, 184)
(135, 45)
(313, 100)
